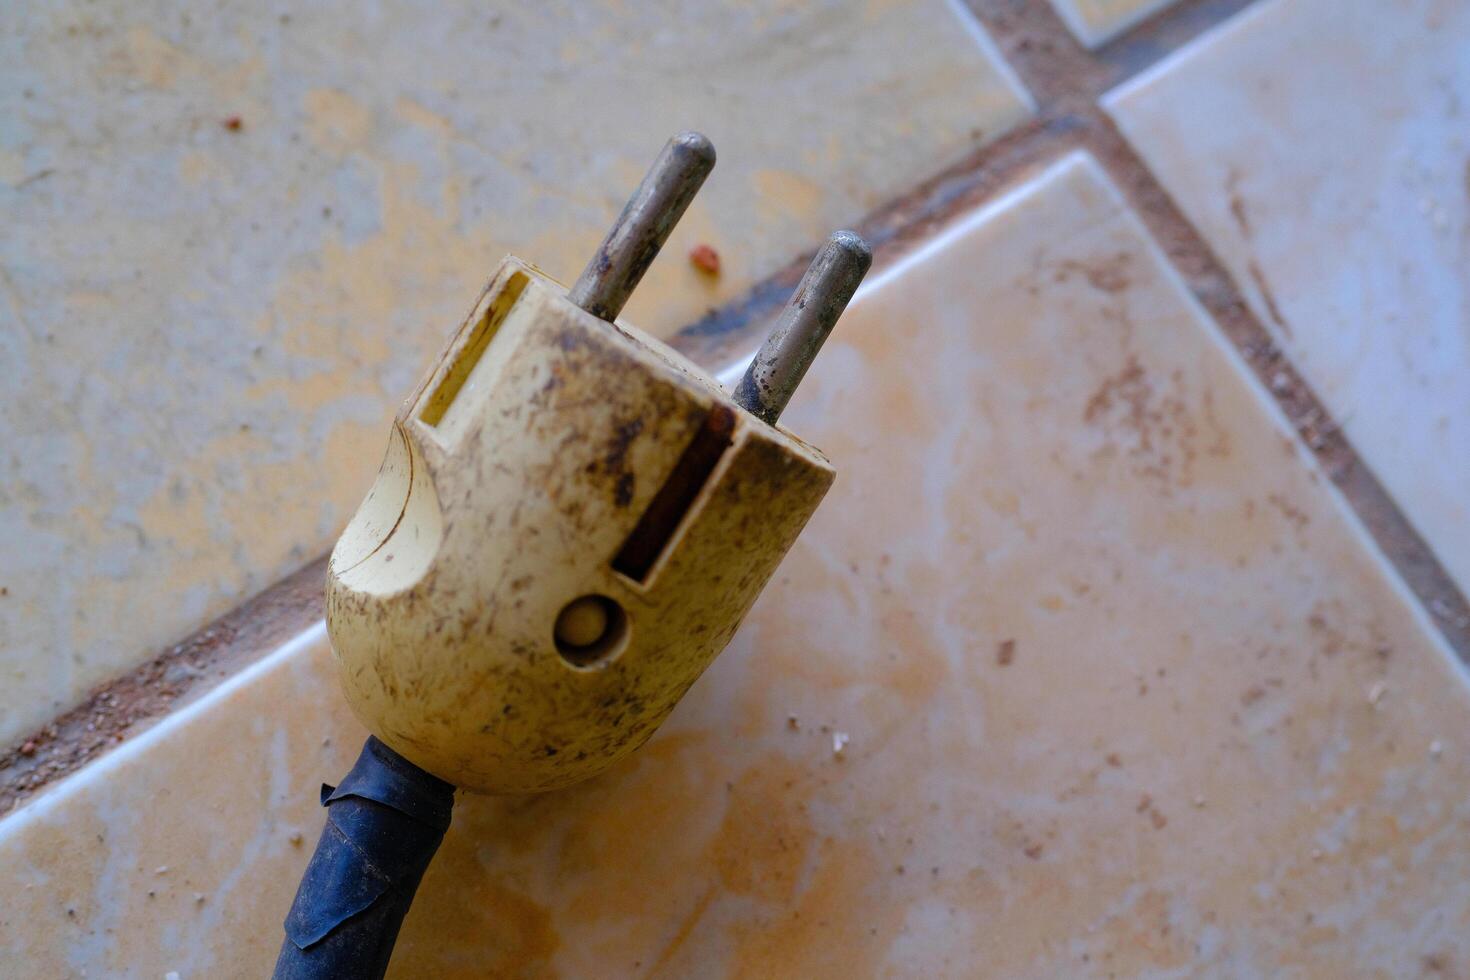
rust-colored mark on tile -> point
(763, 844)
(1109, 275)
(685, 930)
(1259, 278)
(1237, 204)
(475, 910)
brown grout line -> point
(1066, 81)
(183, 673)
(1048, 60)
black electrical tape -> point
(384, 824)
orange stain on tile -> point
(839, 925)
(336, 121)
(760, 850)
(487, 929)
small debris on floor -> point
(162, 869)
(233, 123)
(793, 723)
(1155, 815)
(1376, 693)
(705, 259)
(1436, 749)
(1005, 654)
(839, 742)
(296, 838)
(28, 749)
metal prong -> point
(803, 326)
(641, 230)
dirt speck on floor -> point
(705, 259)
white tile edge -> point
(1242, 20)
(61, 792)
(971, 25)
(1089, 37)
(1093, 38)
(1007, 199)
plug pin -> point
(803, 326)
(641, 230)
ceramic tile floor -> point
(1345, 221)
(203, 331)
(1127, 692)
(1095, 22)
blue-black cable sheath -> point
(384, 823)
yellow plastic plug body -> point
(569, 524)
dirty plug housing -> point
(568, 526)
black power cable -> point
(384, 823)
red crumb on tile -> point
(705, 259)
(233, 123)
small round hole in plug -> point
(589, 630)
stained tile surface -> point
(1322, 147)
(232, 241)
(1094, 22)
(1125, 692)
(169, 853)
